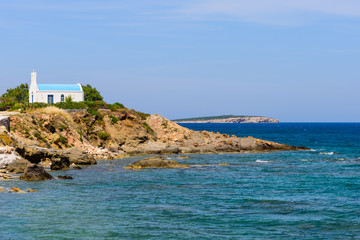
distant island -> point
(228, 119)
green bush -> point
(71, 105)
(6, 106)
(116, 106)
(63, 140)
(103, 135)
(39, 137)
(93, 111)
(148, 128)
(91, 94)
(142, 115)
(16, 107)
(114, 119)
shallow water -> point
(308, 195)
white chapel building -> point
(54, 93)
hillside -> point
(228, 119)
(110, 133)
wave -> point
(327, 153)
(262, 161)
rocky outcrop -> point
(233, 120)
(79, 157)
(5, 122)
(17, 166)
(11, 160)
(60, 163)
(65, 177)
(37, 154)
(35, 172)
(84, 137)
(155, 162)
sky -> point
(297, 61)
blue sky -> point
(291, 60)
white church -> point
(53, 93)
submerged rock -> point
(65, 177)
(155, 162)
(35, 172)
(15, 189)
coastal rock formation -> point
(83, 137)
(79, 157)
(35, 172)
(155, 162)
(60, 164)
(11, 161)
(230, 119)
(17, 166)
(37, 154)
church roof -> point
(59, 87)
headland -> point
(60, 139)
(228, 119)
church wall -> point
(42, 96)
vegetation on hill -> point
(91, 94)
(210, 118)
(20, 94)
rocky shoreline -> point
(56, 140)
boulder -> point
(79, 157)
(60, 163)
(17, 166)
(156, 162)
(65, 177)
(35, 172)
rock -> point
(65, 177)
(156, 162)
(35, 172)
(17, 166)
(32, 190)
(60, 164)
(76, 167)
(79, 157)
(6, 176)
(5, 121)
(15, 189)
(37, 154)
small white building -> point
(54, 93)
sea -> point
(311, 194)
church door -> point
(50, 99)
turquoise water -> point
(283, 195)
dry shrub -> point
(52, 110)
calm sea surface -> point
(282, 195)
